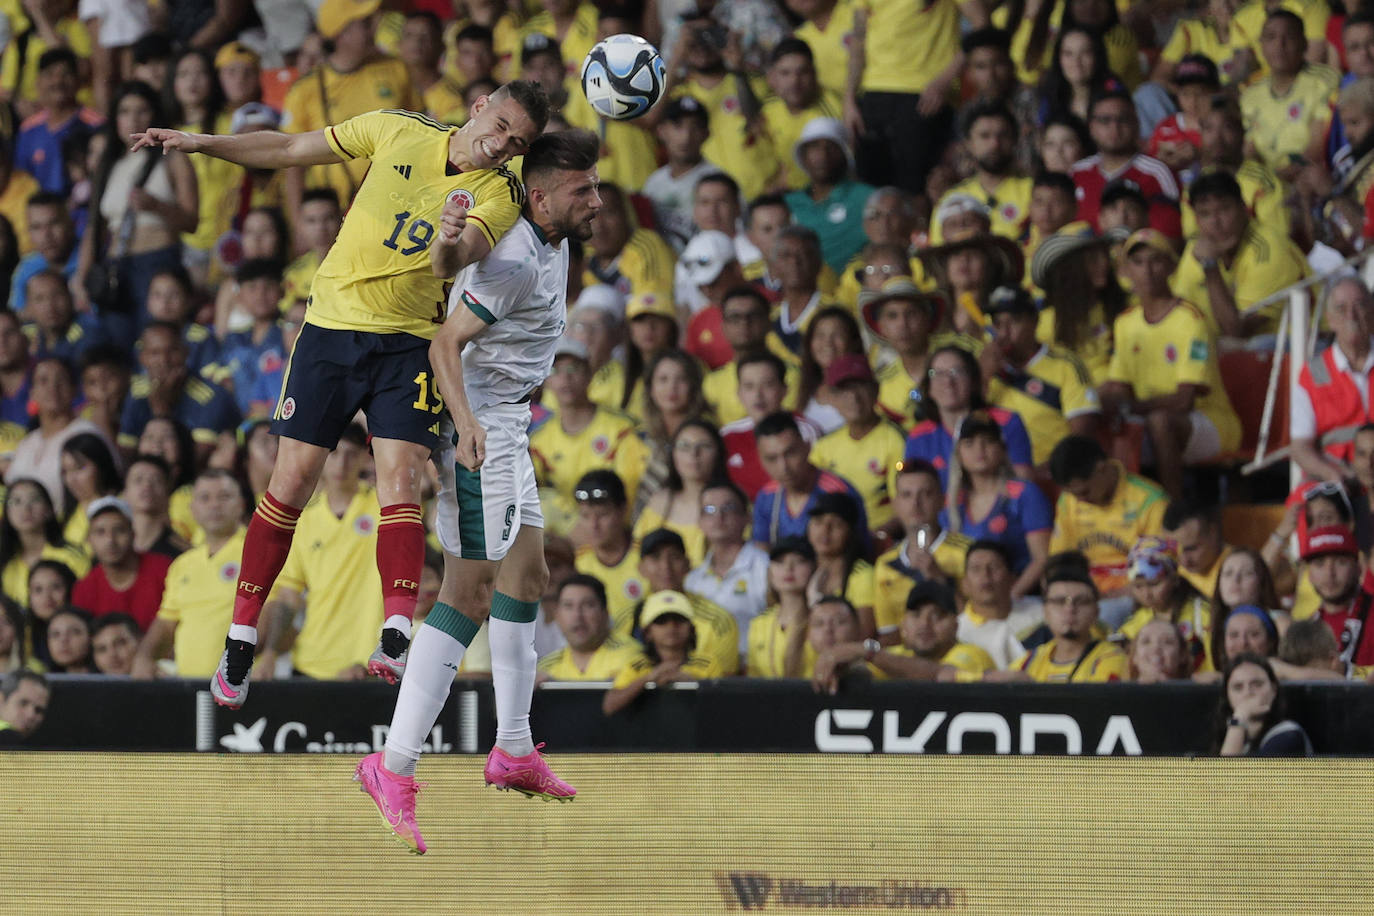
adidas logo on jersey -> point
(404, 170)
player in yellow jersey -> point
(436, 198)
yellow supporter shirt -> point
(697, 666)
(830, 45)
(1194, 622)
(1052, 389)
(609, 659)
(749, 157)
(609, 441)
(443, 101)
(893, 579)
(969, 660)
(1199, 36)
(768, 647)
(333, 561)
(1248, 21)
(869, 463)
(907, 45)
(720, 387)
(217, 190)
(644, 265)
(1206, 582)
(183, 522)
(785, 127)
(77, 527)
(298, 278)
(1281, 127)
(581, 36)
(70, 28)
(624, 587)
(1008, 205)
(1095, 350)
(1155, 359)
(506, 41)
(1264, 193)
(629, 153)
(898, 391)
(377, 275)
(1106, 534)
(716, 629)
(15, 577)
(324, 96)
(14, 203)
(1103, 662)
(199, 599)
(848, 285)
(693, 538)
(1266, 262)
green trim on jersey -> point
(472, 538)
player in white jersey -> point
(506, 315)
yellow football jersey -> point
(506, 39)
(697, 666)
(607, 386)
(768, 647)
(1265, 263)
(333, 561)
(898, 391)
(720, 387)
(608, 441)
(1106, 534)
(749, 156)
(199, 599)
(218, 183)
(969, 660)
(183, 522)
(717, 634)
(1103, 662)
(1248, 21)
(1095, 350)
(444, 101)
(581, 36)
(869, 463)
(784, 129)
(1199, 36)
(1264, 193)
(1008, 206)
(645, 265)
(907, 44)
(1154, 359)
(377, 276)
(1281, 127)
(298, 278)
(693, 538)
(15, 577)
(1052, 389)
(828, 45)
(1194, 623)
(24, 85)
(629, 153)
(14, 202)
(610, 658)
(324, 96)
(893, 579)
(624, 587)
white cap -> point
(254, 115)
(824, 129)
(98, 506)
(571, 346)
(706, 256)
(959, 204)
(602, 298)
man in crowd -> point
(1073, 655)
(1333, 564)
(904, 317)
(797, 100)
(784, 503)
(57, 330)
(166, 389)
(734, 572)
(593, 652)
(122, 580)
(832, 203)
(988, 619)
(663, 564)
(762, 388)
(1223, 149)
(114, 640)
(710, 267)
(1195, 528)
(53, 237)
(24, 697)
(796, 264)
(608, 552)
(683, 128)
(1331, 401)
(1115, 128)
(744, 322)
(38, 149)
(990, 135)
(866, 449)
(622, 255)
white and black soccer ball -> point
(623, 77)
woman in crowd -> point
(264, 235)
(1082, 295)
(69, 642)
(672, 397)
(1064, 141)
(171, 441)
(1160, 593)
(143, 202)
(13, 654)
(697, 457)
(1246, 628)
(1251, 720)
(832, 530)
(49, 590)
(195, 102)
(147, 490)
(38, 456)
(88, 473)
(968, 267)
(652, 328)
(832, 332)
(777, 637)
(1078, 68)
(987, 501)
(257, 455)
(29, 532)
(1160, 653)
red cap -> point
(849, 367)
(1331, 539)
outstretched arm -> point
(266, 149)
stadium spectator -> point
(1123, 209)
(330, 578)
(122, 580)
(683, 128)
(38, 455)
(167, 390)
(952, 390)
(1082, 296)
(795, 484)
(768, 215)
(53, 237)
(30, 532)
(1103, 510)
(420, 48)
(56, 329)
(1308, 651)
(868, 447)
(1159, 653)
(987, 502)
(734, 572)
(889, 221)
(581, 435)
(832, 202)
(652, 329)
(716, 206)
(670, 652)
(1331, 401)
(990, 133)
(989, 620)
(841, 569)
(832, 630)
(69, 642)
(38, 147)
(831, 333)
(1234, 261)
(761, 379)
(706, 272)
(252, 362)
(776, 639)
(256, 454)
(105, 382)
(904, 318)
(114, 639)
(147, 490)
(1073, 655)
(1333, 563)
(1222, 131)
(316, 227)
(1290, 105)
(593, 652)
(663, 564)
(696, 457)
(595, 321)
(198, 598)
(797, 98)
(796, 265)
(971, 263)
(48, 590)
(746, 328)
(24, 697)
(88, 473)
(1251, 717)
(1195, 528)
(1053, 205)
(14, 638)
(16, 187)
(1114, 126)
(1047, 386)
(608, 553)
(672, 396)
(990, 73)
(196, 104)
(1177, 140)
(630, 258)
(1161, 593)
(171, 299)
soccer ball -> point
(623, 77)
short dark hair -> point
(151, 47)
(1218, 183)
(1183, 510)
(836, 599)
(1289, 16)
(1069, 572)
(316, 195)
(117, 619)
(915, 466)
(1113, 93)
(931, 592)
(10, 682)
(47, 199)
(746, 291)
(106, 355)
(179, 276)
(587, 582)
(156, 461)
(991, 108)
(1075, 458)
(791, 45)
(765, 358)
(602, 479)
(1057, 180)
(259, 269)
(427, 16)
(55, 56)
(775, 424)
(988, 547)
(987, 37)
(806, 235)
(721, 178)
(766, 200)
(572, 150)
(1360, 18)
(528, 95)
(725, 483)
(475, 32)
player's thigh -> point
(296, 471)
(403, 401)
(400, 470)
(324, 386)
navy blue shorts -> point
(333, 374)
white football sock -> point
(434, 659)
(513, 664)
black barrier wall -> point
(94, 713)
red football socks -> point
(264, 553)
(400, 557)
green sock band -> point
(504, 607)
(448, 619)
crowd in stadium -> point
(904, 337)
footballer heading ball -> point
(623, 77)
